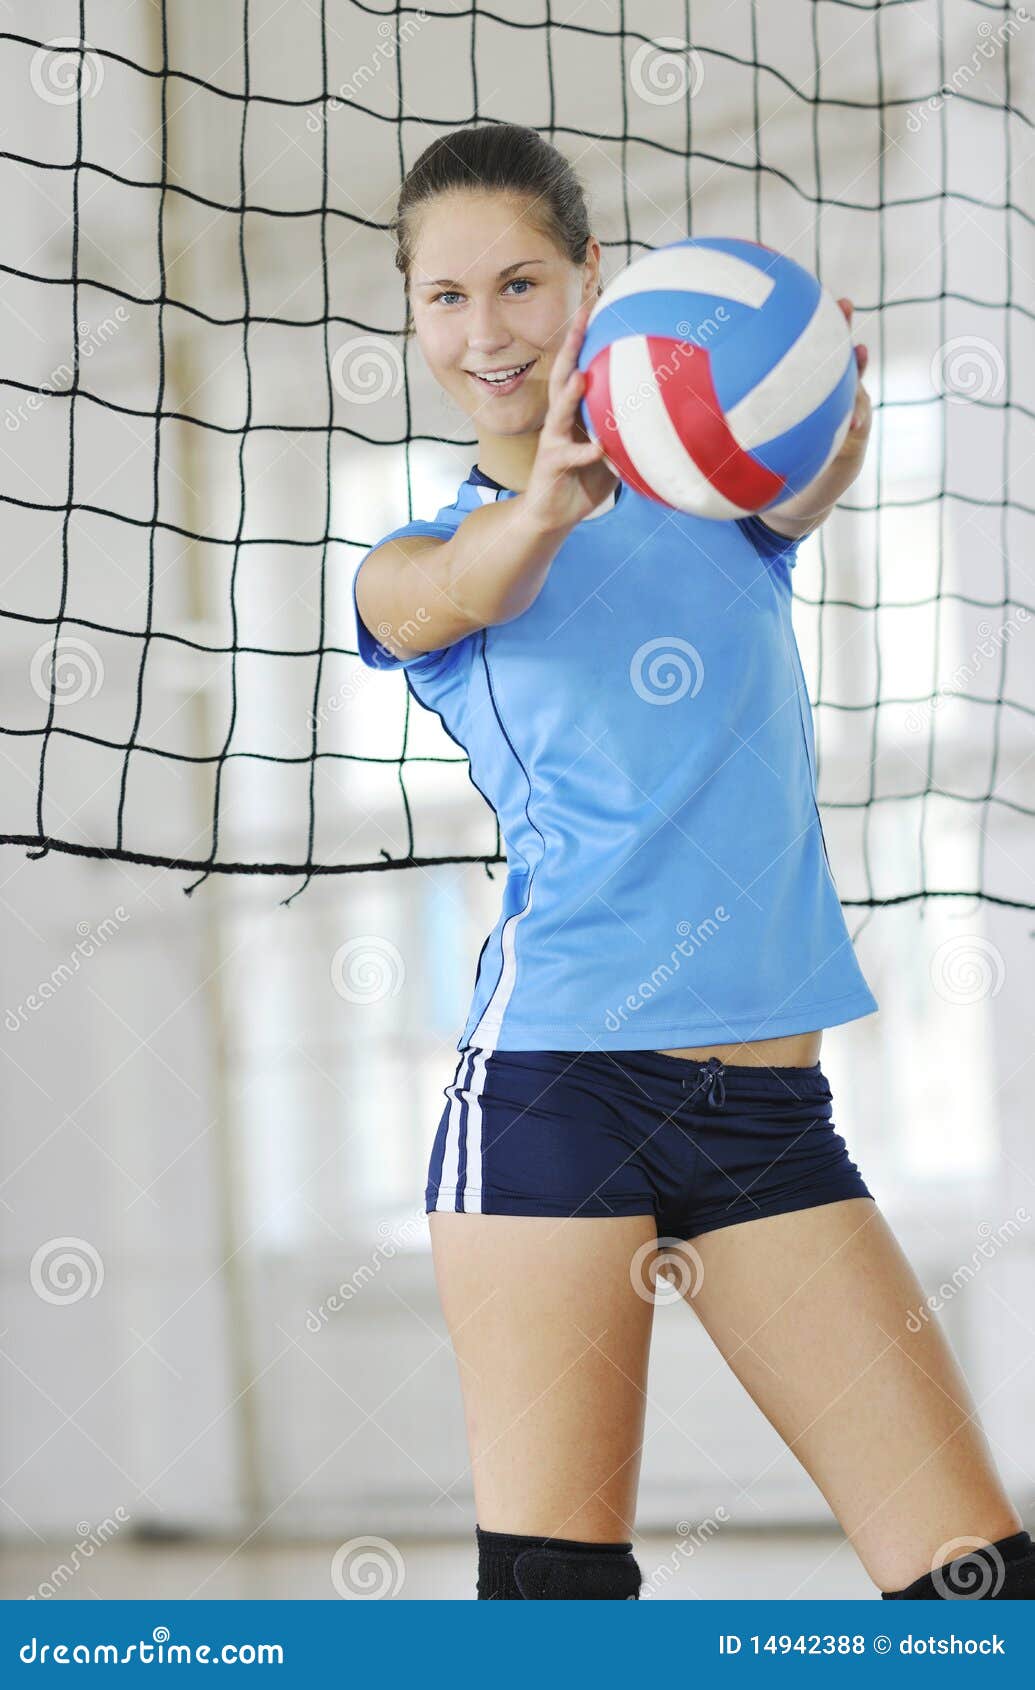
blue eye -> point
(522, 281)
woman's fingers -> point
(572, 426)
(588, 454)
(567, 358)
(563, 408)
(562, 364)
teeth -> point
(503, 375)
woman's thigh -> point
(550, 1321)
(818, 1312)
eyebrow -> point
(448, 282)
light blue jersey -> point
(644, 734)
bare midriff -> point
(795, 1050)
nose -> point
(486, 331)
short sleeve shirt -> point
(644, 734)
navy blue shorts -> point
(698, 1144)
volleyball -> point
(720, 376)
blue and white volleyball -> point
(720, 376)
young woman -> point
(640, 1066)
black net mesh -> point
(211, 411)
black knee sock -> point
(498, 1551)
(1003, 1571)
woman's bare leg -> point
(552, 1343)
(811, 1310)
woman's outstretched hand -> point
(570, 475)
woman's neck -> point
(508, 458)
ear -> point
(592, 286)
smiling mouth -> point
(502, 382)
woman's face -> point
(490, 294)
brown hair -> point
(504, 156)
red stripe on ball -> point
(684, 376)
(597, 400)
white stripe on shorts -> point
(458, 1092)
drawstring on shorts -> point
(711, 1078)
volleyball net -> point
(210, 411)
